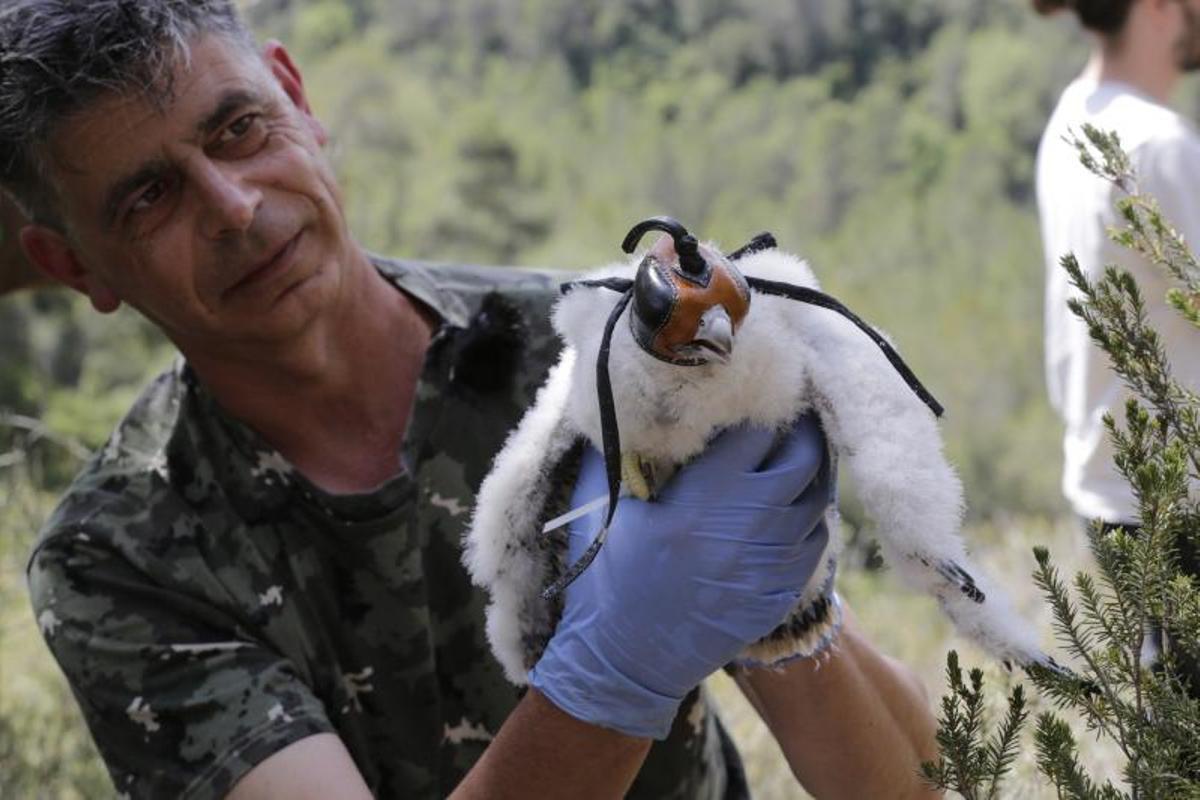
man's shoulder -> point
(500, 318)
(1166, 164)
(457, 290)
(1143, 124)
(474, 279)
(125, 480)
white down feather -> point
(788, 357)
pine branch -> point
(968, 762)
(1058, 760)
(1105, 620)
(1146, 231)
(1002, 747)
(1104, 708)
(1149, 713)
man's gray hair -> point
(59, 56)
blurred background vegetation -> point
(890, 142)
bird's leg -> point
(637, 476)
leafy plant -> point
(973, 763)
(1139, 587)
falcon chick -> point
(678, 345)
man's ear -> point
(279, 61)
(50, 251)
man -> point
(254, 588)
(1142, 48)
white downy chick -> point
(679, 374)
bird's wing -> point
(506, 552)
(890, 442)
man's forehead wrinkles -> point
(111, 125)
(127, 125)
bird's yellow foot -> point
(637, 476)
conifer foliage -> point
(1104, 620)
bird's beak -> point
(715, 334)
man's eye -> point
(238, 127)
(246, 129)
(149, 196)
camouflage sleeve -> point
(180, 704)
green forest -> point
(891, 143)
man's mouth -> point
(278, 261)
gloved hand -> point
(685, 582)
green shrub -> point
(1138, 584)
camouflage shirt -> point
(210, 606)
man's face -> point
(218, 216)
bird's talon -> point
(635, 475)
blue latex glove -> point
(685, 582)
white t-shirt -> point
(1077, 210)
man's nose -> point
(228, 201)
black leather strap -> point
(813, 297)
(762, 241)
(609, 431)
(610, 435)
(616, 284)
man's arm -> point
(16, 272)
(855, 724)
(311, 769)
(539, 752)
(543, 752)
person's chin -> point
(300, 273)
(306, 297)
(304, 280)
(281, 316)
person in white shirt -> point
(1142, 48)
